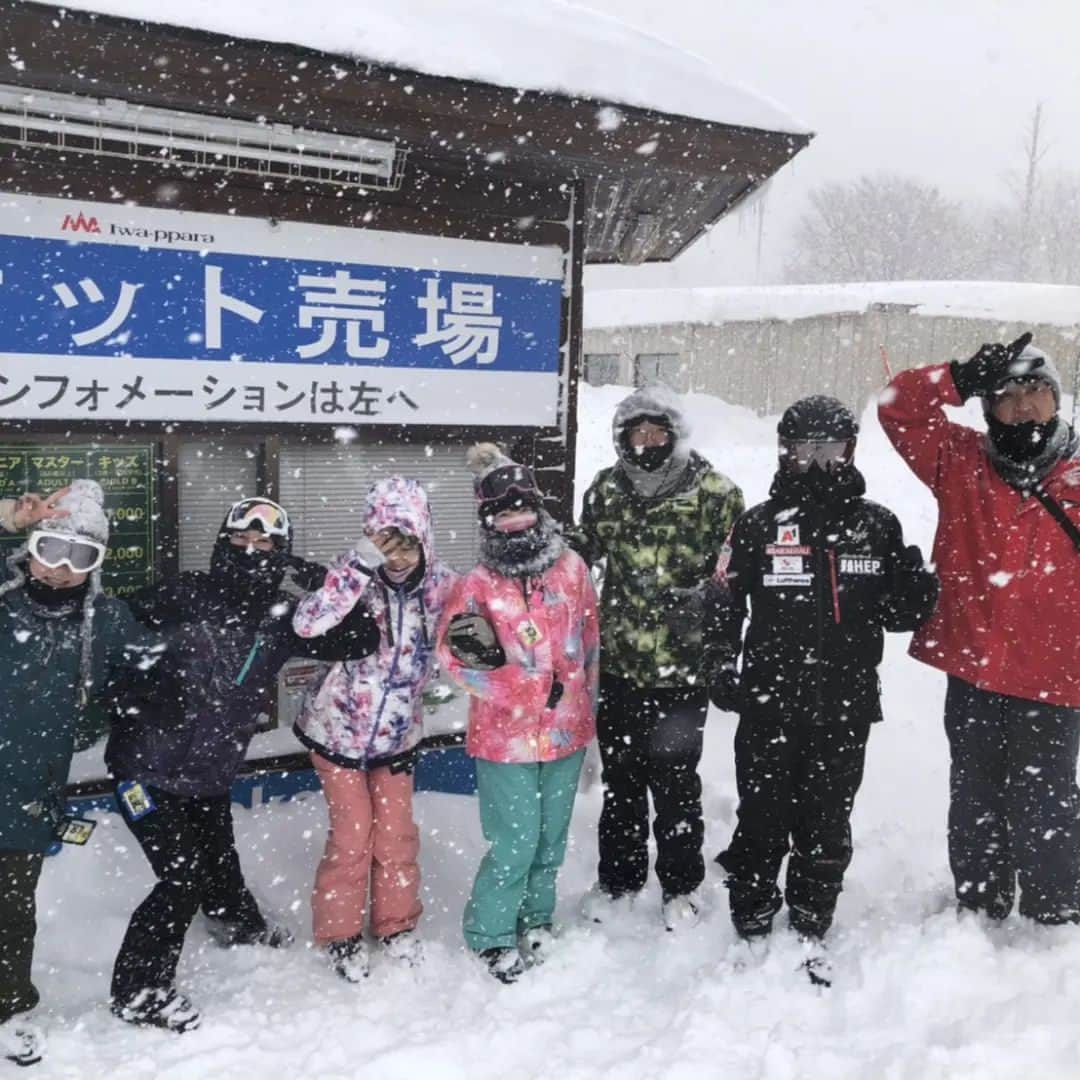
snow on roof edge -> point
(1055, 305)
(550, 46)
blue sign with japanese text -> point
(116, 311)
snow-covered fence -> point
(766, 362)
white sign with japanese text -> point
(117, 312)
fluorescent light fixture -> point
(110, 127)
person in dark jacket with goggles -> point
(180, 736)
(825, 571)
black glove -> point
(912, 594)
(992, 364)
(724, 689)
(308, 576)
(555, 696)
(472, 642)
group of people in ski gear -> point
(186, 666)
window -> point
(601, 369)
(657, 368)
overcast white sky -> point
(940, 89)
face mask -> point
(1021, 442)
(54, 598)
(649, 458)
(515, 522)
(256, 573)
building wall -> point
(766, 365)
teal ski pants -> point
(525, 816)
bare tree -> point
(1025, 192)
(1058, 229)
(882, 228)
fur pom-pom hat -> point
(500, 483)
(495, 474)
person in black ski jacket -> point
(826, 572)
(180, 735)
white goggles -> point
(264, 514)
(55, 549)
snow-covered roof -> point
(1054, 305)
(551, 45)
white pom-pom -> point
(485, 455)
(86, 489)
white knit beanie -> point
(85, 506)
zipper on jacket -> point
(393, 667)
(249, 661)
(819, 604)
(532, 648)
(835, 587)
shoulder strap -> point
(1057, 512)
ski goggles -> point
(801, 455)
(504, 480)
(261, 514)
(54, 549)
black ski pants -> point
(650, 741)
(797, 783)
(1013, 804)
(19, 873)
(191, 847)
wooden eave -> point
(653, 183)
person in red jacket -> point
(1007, 626)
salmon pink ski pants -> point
(373, 841)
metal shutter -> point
(212, 477)
(323, 488)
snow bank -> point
(918, 995)
(543, 45)
(1054, 305)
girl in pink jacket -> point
(520, 634)
(362, 722)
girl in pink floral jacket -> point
(362, 722)
(520, 634)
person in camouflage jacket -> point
(657, 520)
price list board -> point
(126, 475)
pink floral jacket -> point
(364, 711)
(547, 625)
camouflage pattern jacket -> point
(656, 552)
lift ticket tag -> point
(529, 634)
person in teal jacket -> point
(61, 640)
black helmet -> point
(817, 431)
(818, 419)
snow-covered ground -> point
(917, 995)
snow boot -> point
(599, 906)
(749, 952)
(227, 934)
(349, 958)
(404, 948)
(21, 1042)
(535, 945)
(504, 964)
(816, 962)
(682, 912)
(167, 1009)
